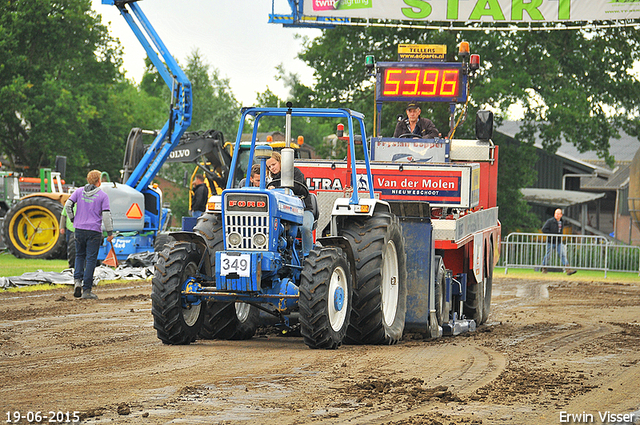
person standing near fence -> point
(554, 226)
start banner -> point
(493, 11)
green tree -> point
(152, 83)
(214, 105)
(61, 92)
(578, 85)
(214, 108)
(313, 131)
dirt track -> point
(551, 346)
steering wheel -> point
(298, 188)
(409, 136)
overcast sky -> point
(233, 37)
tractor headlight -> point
(235, 239)
(259, 240)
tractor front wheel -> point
(177, 318)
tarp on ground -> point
(135, 267)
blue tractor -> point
(245, 257)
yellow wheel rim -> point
(34, 230)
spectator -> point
(554, 226)
(415, 125)
(274, 166)
(92, 210)
(200, 196)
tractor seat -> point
(312, 201)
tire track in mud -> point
(434, 375)
(518, 369)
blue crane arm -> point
(175, 78)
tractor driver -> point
(254, 177)
(419, 128)
(274, 164)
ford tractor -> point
(245, 257)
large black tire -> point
(209, 226)
(229, 320)
(31, 229)
(223, 320)
(442, 307)
(477, 295)
(175, 320)
(71, 249)
(380, 291)
(488, 285)
(325, 298)
(162, 239)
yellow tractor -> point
(31, 226)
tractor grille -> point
(246, 216)
(247, 226)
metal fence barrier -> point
(582, 252)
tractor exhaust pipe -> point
(287, 154)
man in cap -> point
(415, 125)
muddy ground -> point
(550, 346)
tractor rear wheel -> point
(209, 226)
(31, 229)
(223, 320)
(380, 291)
(162, 239)
(176, 318)
(325, 298)
(229, 320)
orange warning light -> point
(134, 212)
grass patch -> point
(34, 288)
(12, 266)
(581, 275)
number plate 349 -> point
(239, 263)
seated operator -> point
(274, 166)
(415, 125)
(254, 177)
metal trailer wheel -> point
(176, 319)
(31, 229)
(474, 306)
(488, 283)
(442, 307)
(380, 291)
(325, 298)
